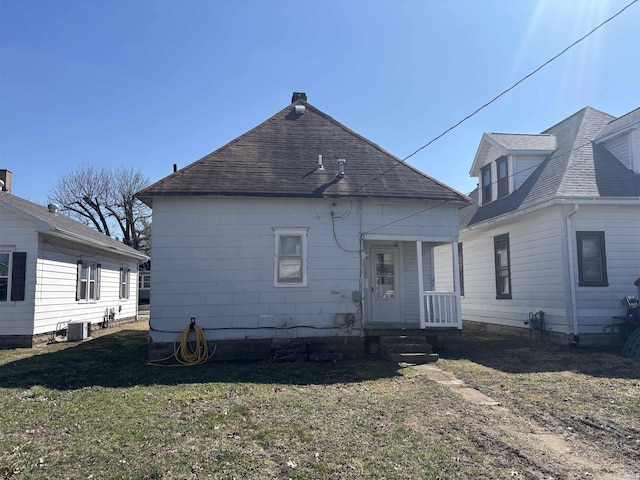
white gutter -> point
(556, 201)
(572, 283)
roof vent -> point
(299, 109)
(341, 162)
(298, 96)
(53, 208)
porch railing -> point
(441, 309)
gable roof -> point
(512, 144)
(62, 226)
(578, 168)
(279, 158)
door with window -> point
(384, 285)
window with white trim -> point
(290, 257)
(144, 281)
(5, 269)
(88, 281)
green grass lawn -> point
(97, 410)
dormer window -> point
(485, 178)
(502, 168)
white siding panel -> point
(537, 279)
(16, 234)
(218, 266)
(523, 166)
(621, 226)
(620, 148)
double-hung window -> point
(13, 269)
(485, 178)
(88, 281)
(592, 259)
(502, 168)
(290, 257)
(125, 274)
(503, 266)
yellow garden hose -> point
(186, 353)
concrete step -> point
(414, 358)
(390, 349)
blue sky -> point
(150, 83)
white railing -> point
(441, 309)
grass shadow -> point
(119, 359)
(512, 354)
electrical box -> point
(77, 331)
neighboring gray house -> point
(554, 227)
(55, 271)
(299, 229)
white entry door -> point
(384, 284)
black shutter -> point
(18, 276)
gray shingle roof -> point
(525, 142)
(60, 224)
(620, 123)
(278, 158)
(578, 168)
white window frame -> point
(8, 276)
(144, 281)
(125, 283)
(290, 232)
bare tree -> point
(104, 198)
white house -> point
(554, 228)
(55, 271)
(299, 229)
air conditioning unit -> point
(77, 331)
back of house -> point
(299, 231)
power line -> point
(497, 96)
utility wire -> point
(497, 96)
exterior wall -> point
(213, 259)
(537, 273)
(56, 278)
(626, 148)
(17, 235)
(597, 305)
(539, 266)
(523, 166)
(620, 148)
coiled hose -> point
(186, 352)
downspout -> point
(572, 285)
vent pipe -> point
(341, 162)
(320, 166)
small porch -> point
(409, 293)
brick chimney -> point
(5, 178)
(298, 96)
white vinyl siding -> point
(522, 167)
(290, 257)
(222, 252)
(620, 147)
(537, 275)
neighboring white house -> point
(554, 227)
(54, 270)
(298, 229)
